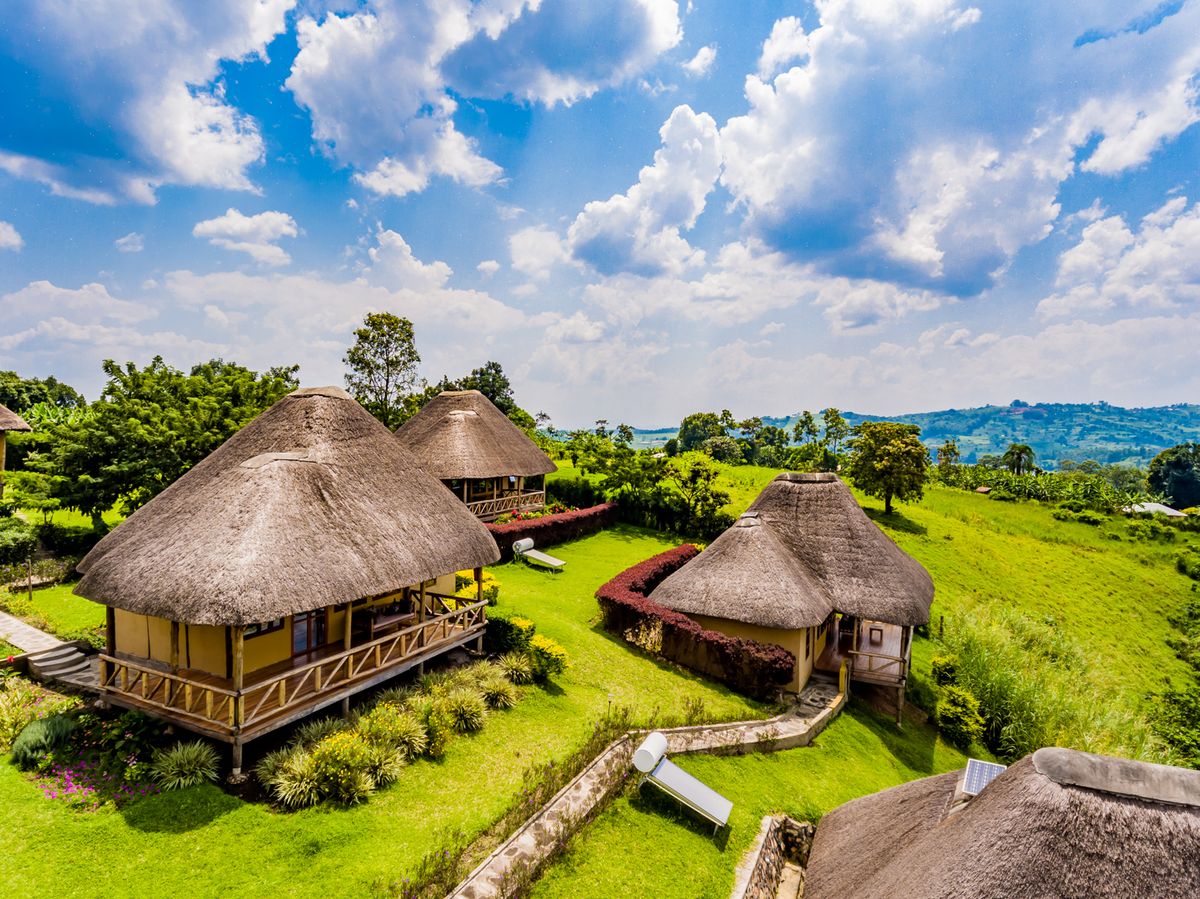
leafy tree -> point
(671, 447)
(490, 380)
(698, 427)
(602, 428)
(836, 428)
(20, 394)
(724, 449)
(805, 430)
(149, 426)
(947, 457)
(694, 477)
(1175, 472)
(383, 365)
(888, 461)
(1018, 458)
(623, 435)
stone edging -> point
(570, 807)
(780, 840)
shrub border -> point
(551, 529)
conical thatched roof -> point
(461, 434)
(11, 421)
(1058, 823)
(311, 504)
(864, 572)
(747, 574)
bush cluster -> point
(464, 586)
(1187, 561)
(506, 634)
(185, 765)
(756, 669)
(17, 541)
(554, 528)
(22, 702)
(958, 716)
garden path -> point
(21, 635)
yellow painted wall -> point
(131, 633)
(793, 641)
(159, 630)
(267, 649)
(204, 648)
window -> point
(308, 631)
(266, 627)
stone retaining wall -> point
(780, 840)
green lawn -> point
(65, 612)
(643, 845)
(7, 649)
(72, 518)
(181, 843)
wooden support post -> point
(345, 706)
(110, 630)
(899, 704)
(239, 675)
(349, 625)
(421, 608)
(174, 646)
(479, 598)
(237, 755)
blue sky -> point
(641, 208)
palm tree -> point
(1018, 458)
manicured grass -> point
(644, 845)
(202, 842)
(72, 518)
(65, 612)
(7, 649)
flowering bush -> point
(754, 668)
(551, 529)
(549, 658)
(464, 586)
(22, 701)
(340, 767)
(551, 508)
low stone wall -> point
(780, 840)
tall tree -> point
(1176, 473)
(383, 365)
(888, 461)
(837, 428)
(694, 477)
(805, 430)
(1018, 458)
(947, 457)
(20, 394)
(700, 426)
(490, 380)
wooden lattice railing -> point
(512, 503)
(292, 690)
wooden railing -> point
(512, 503)
(291, 690)
(876, 664)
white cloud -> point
(251, 234)
(535, 251)
(148, 70)
(488, 267)
(10, 239)
(699, 64)
(786, 44)
(639, 231)
(1158, 267)
(130, 243)
(394, 266)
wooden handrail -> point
(508, 503)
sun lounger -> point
(651, 759)
(523, 549)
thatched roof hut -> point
(460, 434)
(1057, 823)
(11, 421)
(863, 571)
(311, 504)
(747, 574)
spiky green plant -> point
(466, 710)
(313, 732)
(498, 693)
(185, 765)
(517, 667)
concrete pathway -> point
(26, 638)
(524, 851)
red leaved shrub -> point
(550, 529)
(750, 667)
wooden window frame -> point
(264, 627)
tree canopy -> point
(383, 365)
(888, 461)
(697, 428)
(20, 394)
(1018, 458)
(1176, 473)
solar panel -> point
(979, 775)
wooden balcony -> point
(521, 501)
(873, 651)
(280, 694)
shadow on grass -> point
(647, 800)
(913, 745)
(897, 521)
(179, 811)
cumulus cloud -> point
(10, 239)
(535, 251)
(639, 231)
(871, 146)
(254, 235)
(1158, 267)
(699, 64)
(130, 243)
(141, 76)
(488, 267)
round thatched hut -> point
(463, 440)
(749, 584)
(306, 559)
(806, 549)
(1057, 823)
(9, 421)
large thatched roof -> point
(461, 434)
(864, 572)
(311, 504)
(747, 574)
(11, 421)
(1058, 823)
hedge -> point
(756, 669)
(551, 529)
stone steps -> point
(65, 663)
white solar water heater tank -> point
(523, 546)
(650, 753)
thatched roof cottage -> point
(1057, 823)
(306, 559)
(463, 440)
(9, 421)
(806, 569)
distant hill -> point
(1056, 431)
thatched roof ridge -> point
(1031, 832)
(311, 504)
(747, 574)
(865, 573)
(11, 421)
(461, 434)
